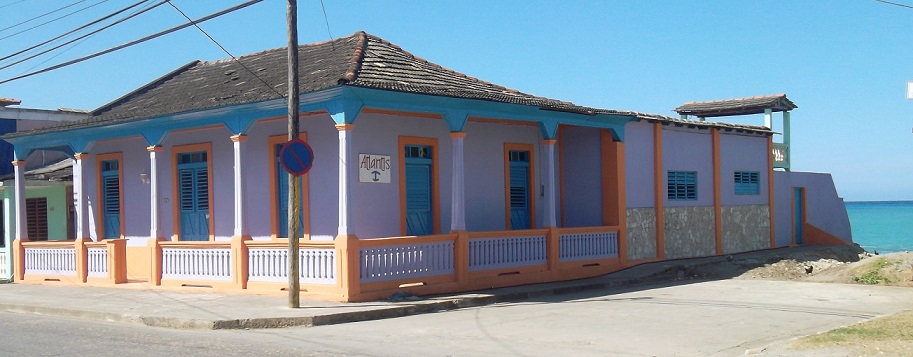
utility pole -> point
(293, 180)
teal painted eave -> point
(342, 102)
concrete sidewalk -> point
(198, 308)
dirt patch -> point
(885, 336)
(834, 266)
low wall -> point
(689, 232)
(745, 228)
(825, 210)
(641, 227)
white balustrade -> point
(50, 261)
(4, 270)
(505, 252)
(196, 263)
(315, 266)
(97, 262)
(406, 261)
(590, 245)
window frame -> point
(176, 191)
(746, 183)
(100, 195)
(681, 185)
(402, 142)
(531, 182)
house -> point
(424, 180)
(48, 199)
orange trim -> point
(658, 191)
(817, 236)
(154, 148)
(614, 203)
(401, 113)
(176, 193)
(274, 204)
(549, 141)
(435, 181)
(457, 134)
(717, 191)
(531, 182)
(99, 192)
(285, 117)
(199, 128)
(239, 138)
(500, 121)
(18, 162)
(770, 191)
(342, 127)
(81, 156)
(560, 182)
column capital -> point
(154, 148)
(239, 138)
(18, 162)
(345, 127)
(550, 141)
(81, 156)
(458, 134)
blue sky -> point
(844, 63)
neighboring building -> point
(424, 180)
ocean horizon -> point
(882, 226)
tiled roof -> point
(738, 106)
(9, 101)
(360, 60)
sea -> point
(883, 226)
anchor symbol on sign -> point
(376, 175)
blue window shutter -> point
(419, 213)
(519, 193)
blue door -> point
(193, 179)
(419, 212)
(798, 213)
(282, 188)
(110, 180)
(519, 190)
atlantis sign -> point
(373, 168)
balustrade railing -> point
(50, 261)
(499, 250)
(588, 245)
(196, 263)
(315, 265)
(403, 261)
(781, 156)
(97, 259)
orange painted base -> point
(138, 263)
(817, 236)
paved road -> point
(723, 318)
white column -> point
(153, 192)
(345, 146)
(768, 119)
(240, 226)
(19, 191)
(79, 196)
(458, 199)
(550, 211)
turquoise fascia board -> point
(344, 110)
(455, 119)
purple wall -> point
(581, 160)
(826, 209)
(689, 150)
(742, 153)
(639, 164)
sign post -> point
(294, 287)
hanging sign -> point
(296, 157)
(373, 168)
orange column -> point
(614, 203)
(717, 191)
(659, 191)
(770, 190)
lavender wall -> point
(742, 153)
(826, 209)
(639, 164)
(581, 162)
(689, 150)
(136, 194)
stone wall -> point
(745, 228)
(641, 225)
(689, 232)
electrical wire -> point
(55, 19)
(118, 12)
(40, 16)
(12, 3)
(134, 42)
(226, 51)
(894, 3)
(87, 35)
(326, 19)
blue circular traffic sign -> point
(296, 157)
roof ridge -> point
(358, 58)
(743, 98)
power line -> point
(894, 3)
(75, 30)
(86, 35)
(53, 20)
(326, 19)
(40, 16)
(12, 3)
(131, 43)
(225, 50)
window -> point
(36, 210)
(746, 183)
(682, 185)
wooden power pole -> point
(294, 195)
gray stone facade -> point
(746, 228)
(641, 225)
(689, 232)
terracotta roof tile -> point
(738, 106)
